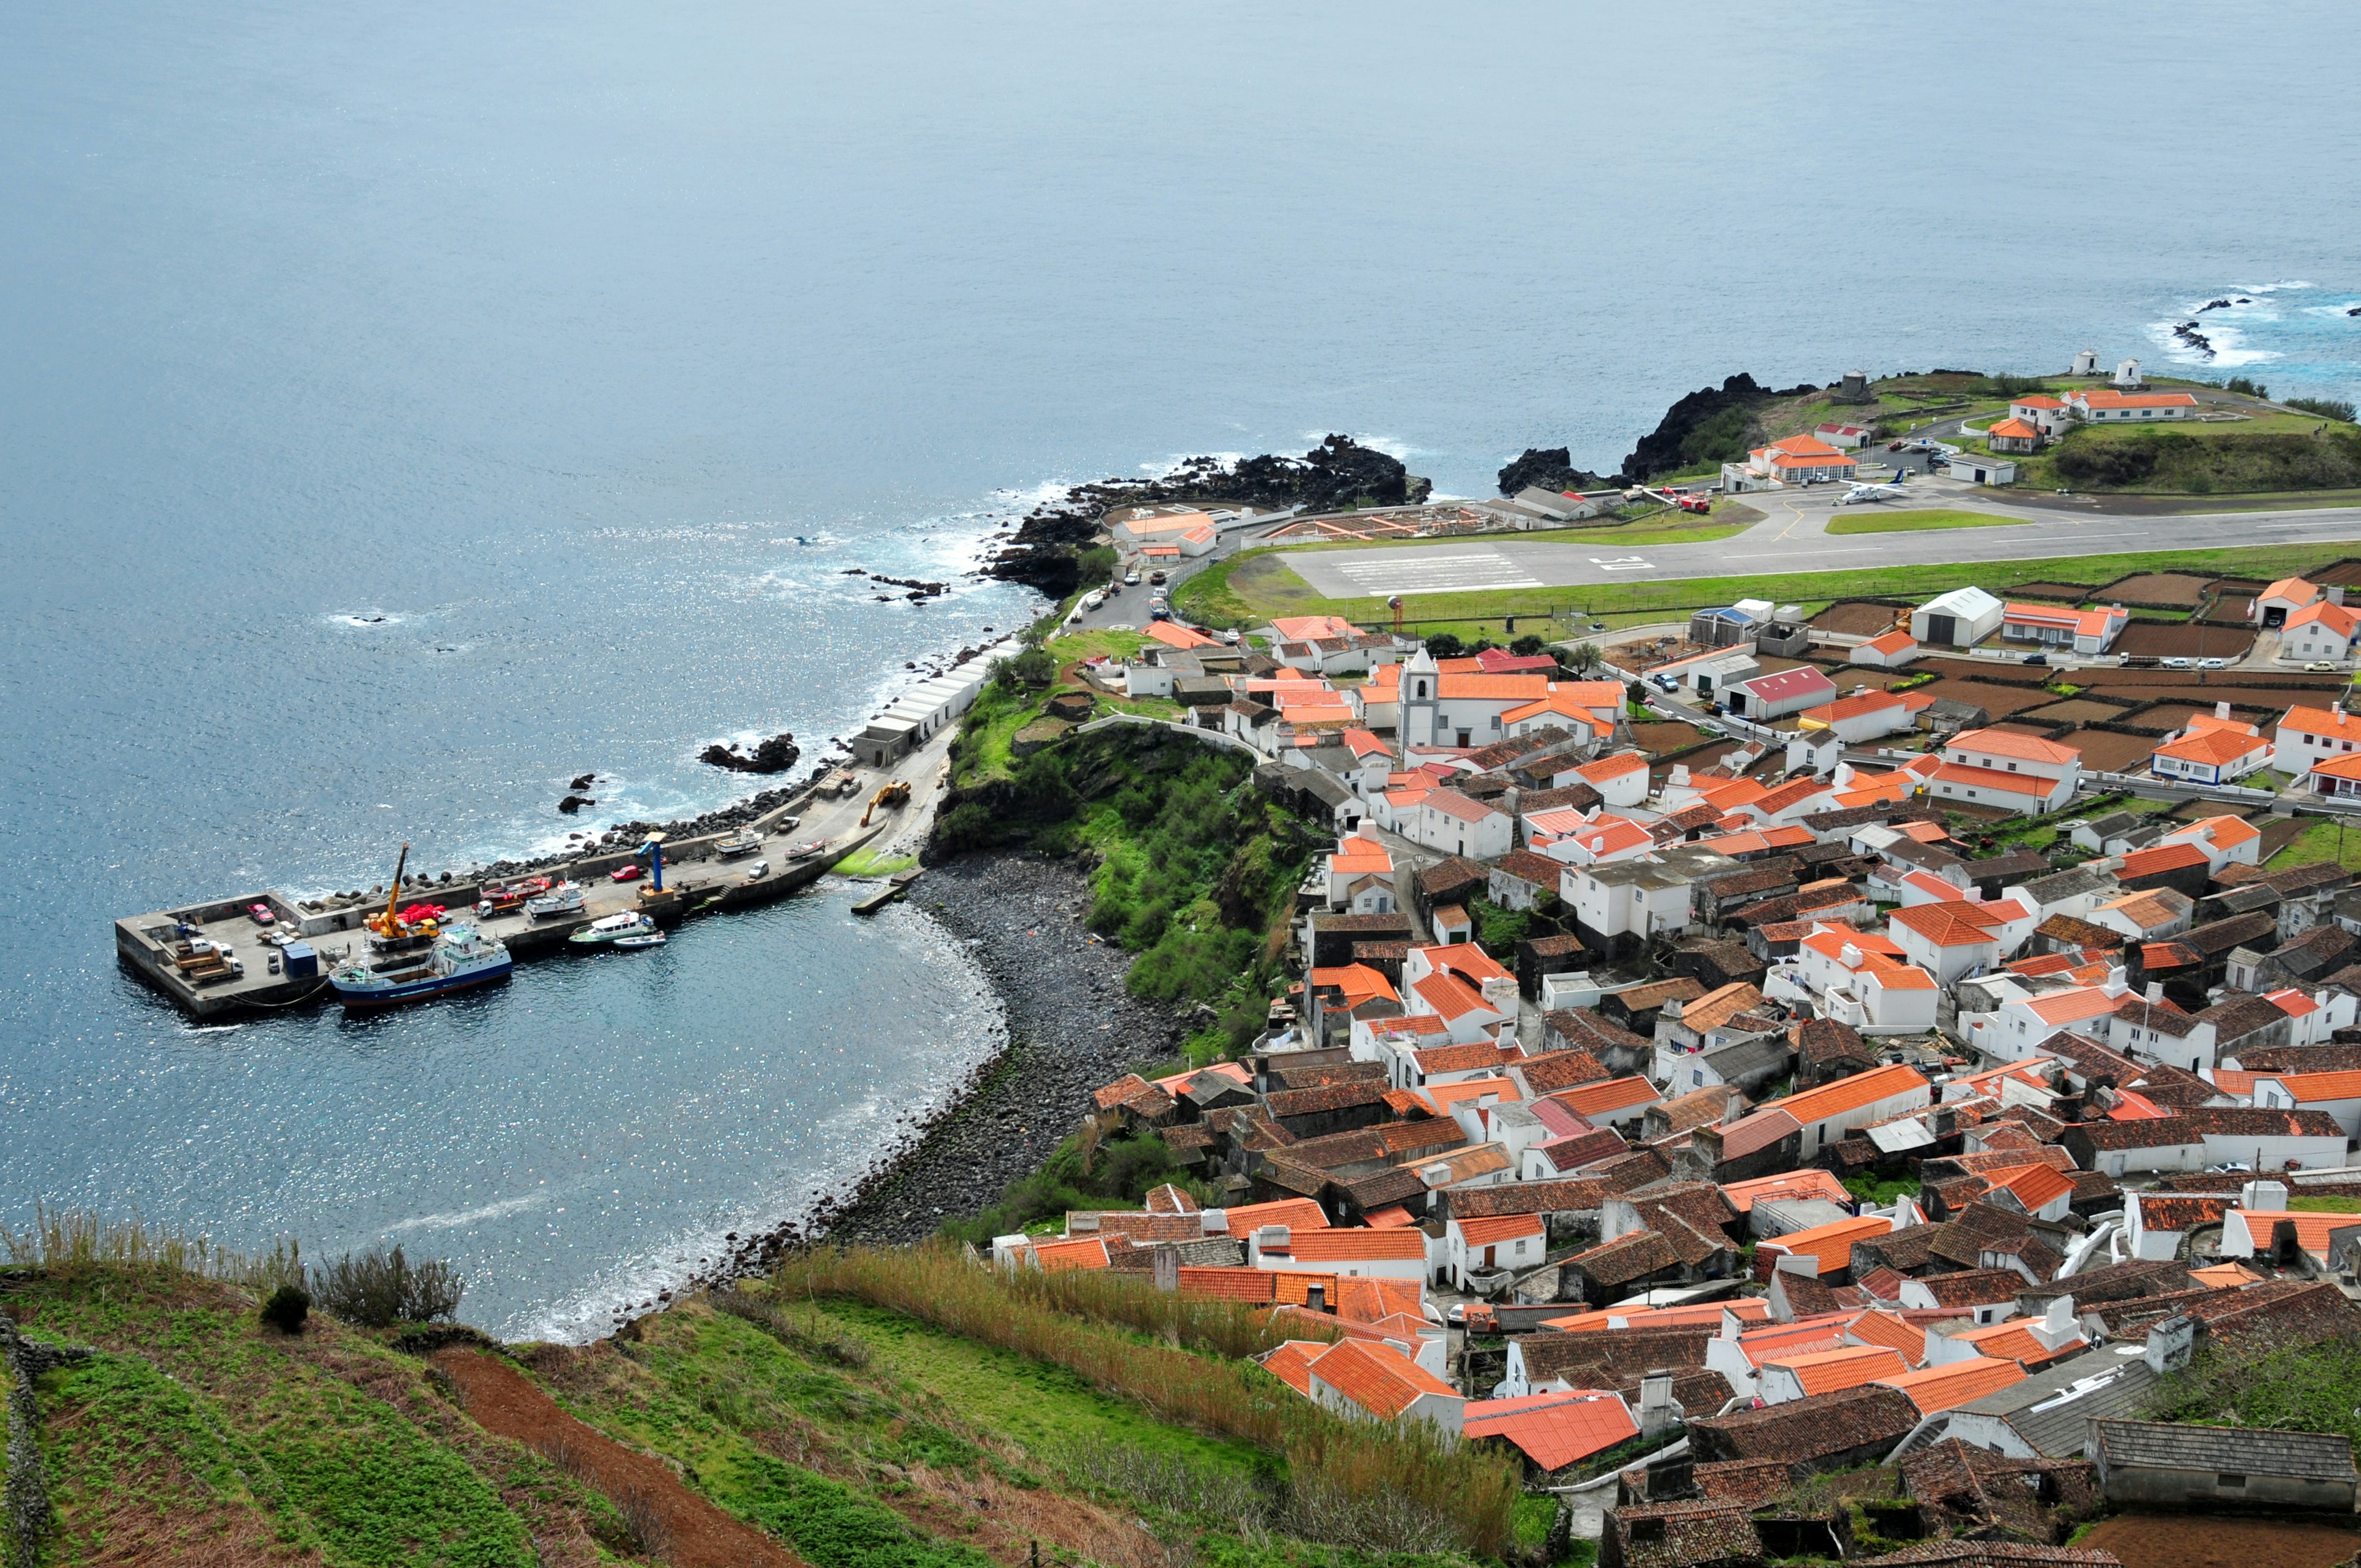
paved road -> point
(1794, 538)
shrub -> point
(379, 1288)
(1383, 1489)
(1528, 645)
(1443, 645)
(2326, 408)
(2250, 386)
(287, 1309)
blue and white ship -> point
(459, 957)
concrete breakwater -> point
(697, 880)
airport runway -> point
(1794, 538)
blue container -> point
(302, 960)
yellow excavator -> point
(893, 797)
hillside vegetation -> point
(886, 1409)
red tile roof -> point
(1554, 1430)
(1379, 1379)
(1935, 1388)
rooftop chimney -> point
(1315, 1298)
(2221, 710)
(1272, 1238)
(2263, 1196)
(1657, 1409)
(1500, 993)
(2172, 1343)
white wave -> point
(471, 1216)
(1400, 451)
(1171, 464)
(2230, 348)
(2275, 288)
(367, 619)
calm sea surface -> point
(404, 409)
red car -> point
(262, 914)
(624, 873)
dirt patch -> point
(2343, 574)
(2279, 835)
(2233, 606)
(2076, 710)
(2164, 590)
(2072, 593)
(2218, 1540)
(1664, 736)
(2166, 715)
(1984, 669)
(2174, 639)
(671, 1521)
(1852, 618)
(1696, 761)
(2000, 702)
(2107, 751)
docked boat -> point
(459, 957)
(613, 928)
(413, 954)
(745, 841)
(565, 898)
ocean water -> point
(403, 410)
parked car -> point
(1231, 637)
(758, 870)
(1160, 612)
(1131, 578)
(2036, 658)
(2320, 667)
(2180, 663)
(1157, 576)
(1667, 683)
(624, 873)
(260, 913)
(1094, 598)
(2212, 663)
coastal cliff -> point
(1046, 552)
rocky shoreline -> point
(1071, 1027)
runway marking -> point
(1430, 573)
(1623, 564)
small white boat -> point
(653, 940)
(614, 928)
(565, 898)
(745, 841)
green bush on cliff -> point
(1081, 1173)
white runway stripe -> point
(1424, 572)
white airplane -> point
(1871, 493)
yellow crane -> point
(390, 923)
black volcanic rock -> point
(1339, 472)
(574, 802)
(1549, 467)
(776, 755)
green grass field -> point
(870, 863)
(1913, 522)
(1248, 589)
(2324, 841)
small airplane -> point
(1871, 493)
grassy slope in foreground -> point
(855, 1436)
(1913, 522)
(1249, 590)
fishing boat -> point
(565, 898)
(651, 939)
(806, 849)
(613, 928)
(745, 841)
(413, 954)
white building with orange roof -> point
(2308, 737)
(1796, 460)
(2015, 434)
(1622, 780)
(2283, 598)
(2322, 632)
(1834, 1111)
(1953, 940)
(2026, 1021)
(2104, 405)
(1602, 841)
(1862, 717)
(1458, 823)
(2045, 413)
(1361, 875)
(1463, 985)
(1297, 627)
(2063, 627)
(2212, 749)
(1890, 651)
(1189, 533)
(1378, 1383)
(2001, 767)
